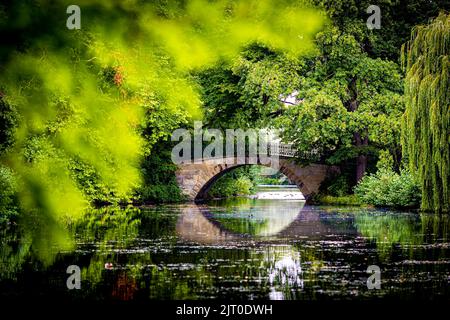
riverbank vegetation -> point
(346, 200)
(389, 189)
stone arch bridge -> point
(196, 178)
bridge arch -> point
(196, 178)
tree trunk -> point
(361, 160)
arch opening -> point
(262, 178)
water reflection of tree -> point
(108, 225)
(36, 239)
(124, 265)
(242, 226)
(12, 253)
(406, 230)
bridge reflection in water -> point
(259, 222)
(252, 219)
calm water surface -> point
(234, 249)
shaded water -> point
(237, 249)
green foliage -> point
(228, 186)
(92, 102)
(272, 181)
(339, 187)
(8, 122)
(94, 189)
(343, 91)
(388, 188)
(243, 185)
(159, 183)
(247, 92)
(277, 178)
(397, 19)
(388, 231)
(340, 183)
(345, 200)
(222, 188)
(385, 160)
(160, 194)
(8, 193)
(426, 122)
(237, 182)
(220, 96)
(352, 88)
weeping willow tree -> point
(425, 124)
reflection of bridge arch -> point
(195, 179)
(197, 225)
(192, 225)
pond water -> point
(233, 249)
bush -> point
(228, 186)
(238, 182)
(275, 179)
(339, 188)
(161, 194)
(90, 183)
(348, 200)
(388, 188)
(243, 186)
(222, 188)
(338, 184)
(159, 181)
